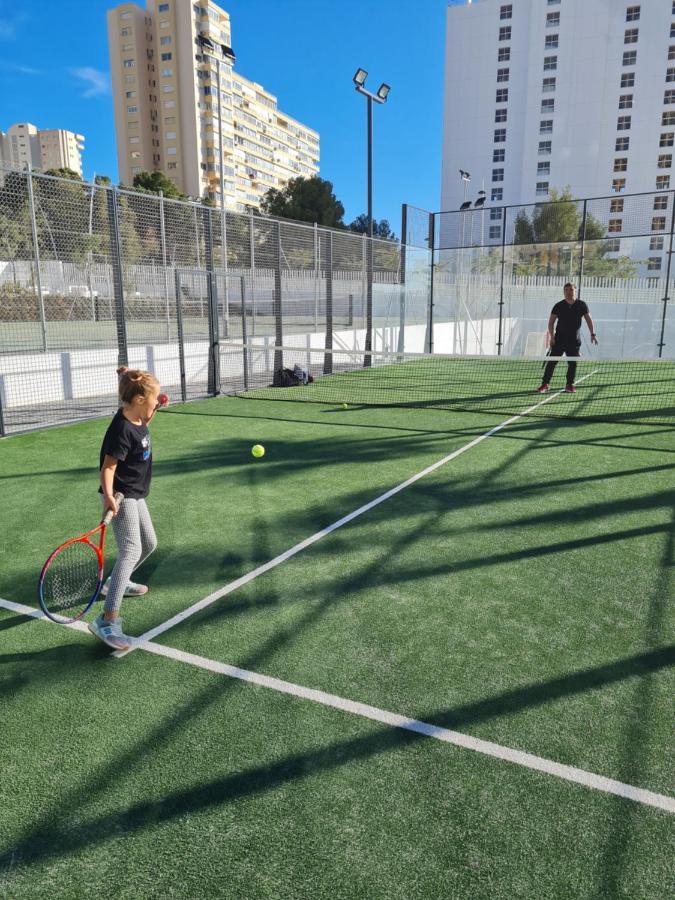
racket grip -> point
(107, 518)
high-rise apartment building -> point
(26, 146)
(171, 113)
(540, 94)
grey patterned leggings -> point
(136, 539)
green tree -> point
(305, 200)
(154, 182)
(523, 230)
(381, 229)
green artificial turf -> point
(519, 593)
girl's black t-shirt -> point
(130, 445)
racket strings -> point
(71, 579)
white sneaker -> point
(110, 632)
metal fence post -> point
(36, 253)
(328, 357)
(278, 325)
(223, 261)
(244, 335)
(162, 234)
(3, 432)
(583, 249)
(367, 360)
(118, 276)
(316, 276)
(212, 296)
(500, 333)
(400, 344)
(252, 259)
(179, 327)
(664, 316)
(430, 318)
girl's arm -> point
(107, 477)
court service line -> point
(394, 720)
(307, 542)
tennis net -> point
(606, 389)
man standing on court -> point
(566, 315)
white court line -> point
(393, 720)
(287, 554)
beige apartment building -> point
(26, 146)
(165, 61)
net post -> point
(661, 344)
(179, 328)
(583, 248)
(118, 277)
(244, 333)
(36, 253)
(400, 344)
(328, 356)
(500, 335)
(278, 325)
(432, 253)
(3, 432)
(212, 306)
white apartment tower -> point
(541, 94)
(26, 146)
(165, 62)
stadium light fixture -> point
(360, 77)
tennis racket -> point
(72, 577)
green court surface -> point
(521, 593)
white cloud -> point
(94, 81)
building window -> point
(669, 97)
(553, 2)
(666, 139)
(129, 79)
(499, 155)
(502, 74)
(613, 245)
(497, 175)
(665, 161)
(171, 151)
(671, 53)
(166, 57)
(167, 73)
(662, 182)
(506, 12)
(653, 263)
(672, 31)
(621, 144)
(126, 15)
(543, 168)
(656, 243)
(126, 32)
(135, 154)
(630, 58)
(628, 79)
(495, 215)
(502, 95)
(544, 148)
(129, 63)
(172, 165)
(661, 202)
(616, 206)
(168, 89)
(552, 19)
(542, 188)
(621, 165)
(504, 54)
(495, 232)
(618, 185)
(132, 109)
(632, 14)
(548, 85)
(127, 48)
(551, 42)
(169, 104)
(626, 101)
(170, 136)
(546, 126)
(131, 95)
(500, 136)
(623, 123)
(163, 7)
(496, 195)
(550, 63)
(505, 33)
(134, 140)
(614, 225)
(164, 41)
(547, 106)
(630, 36)
(500, 115)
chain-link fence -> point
(92, 277)
(497, 272)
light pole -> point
(379, 97)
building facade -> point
(171, 113)
(540, 94)
(26, 146)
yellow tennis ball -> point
(258, 450)
(344, 406)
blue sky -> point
(304, 51)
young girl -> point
(126, 466)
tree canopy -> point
(305, 200)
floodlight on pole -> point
(360, 77)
